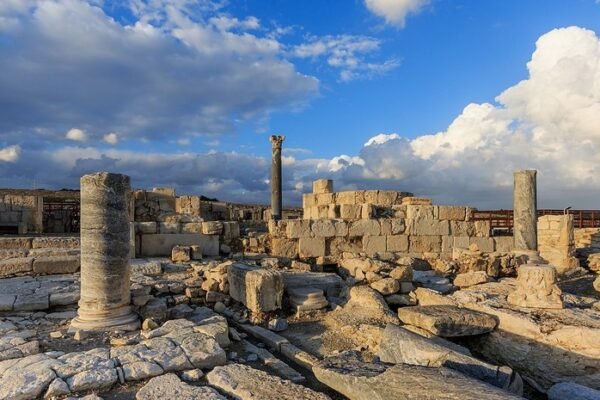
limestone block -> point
(427, 227)
(597, 284)
(212, 228)
(416, 201)
(281, 247)
(367, 211)
(398, 226)
(299, 228)
(325, 199)
(258, 289)
(452, 213)
(448, 321)
(350, 211)
(181, 254)
(309, 200)
(364, 227)
(374, 244)
(323, 186)
(572, 391)
(341, 228)
(55, 243)
(397, 243)
(169, 386)
(333, 211)
(503, 244)
(323, 228)
(425, 244)
(371, 196)
(311, 247)
(339, 245)
(387, 197)
(469, 279)
(191, 227)
(168, 227)
(484, 244)
(15, 243)
(323, 211)
(536, 288)
(482, 228)
(386, 286)
(462, 228)
(146, 227)
(348, 198)
(402, 273)
(16, 265)
(56, 265)
(420, 212)
(360, 196)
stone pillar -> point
(536, 288)
(525, 213)
(276, 200)
(105, 235)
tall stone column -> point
(276, 200)
(525, 213)
(104, 301)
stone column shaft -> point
(525, 212)
(276, 183)
(105, 251)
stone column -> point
(105, 236)
(525, 213)
(276, 200)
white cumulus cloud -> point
(76, 134)
(381, 138)
(395, 11)
(111, 138)
(10, 154)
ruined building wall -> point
(23, 214)
(556, 241)
(587, 237)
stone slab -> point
(447, 320)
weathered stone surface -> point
(55, 242)
(281, 247)
(31, 302)
(397, 243)
(181, 254)
(245, 383)
(15, 243)
(311, 247)
(597, 284)
(56, 265)
(329, 283)
(469, 279)
(359, 380)
(448, 321)
(525, 211)
(298, 228)
(364, 306)
(399, 345)
(97, 379)
(572, 391)
(402, 273)
(169, 386)
(212, 227)
(25, 378)
(258, 289)
(307, 298)
(160, 245)
(145, 267)
(386, 286)
(536, 288)
(15, 266)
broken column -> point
(261, 290)
(104, 301)
(536, 287)
(276, 200)
(525, 213)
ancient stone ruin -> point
(363, 294)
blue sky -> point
(186, 92)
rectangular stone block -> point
(309, 200)
(15, 243)
(333, 211)
(484, 244)
(348, 197)
(371, 196)
(323, 186)
(451, 213)
(231, 229)
(169, 227)
(503, 244)
(461, 242)
(374, 244)
(325, 199)
(56, 265)
(425, 244)
(160, 245)
(350, 211)
(367, 211)
(191, 227)
(387, 197)
(15, 266)
(284, 247)
(322, 212)
(146, 227)
(311, 247)
(397, 243)
(420, 201)
(299, 228)
(421, 212)
(427, 227)
(323, 228)
(482, 228)
(364, 227)
(261, 290)
(460, 228)
(55, 242)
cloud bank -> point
(394, 12)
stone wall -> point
(424, 231)
(587, 237)
(556, 241)
(21, 214)
(38, 255)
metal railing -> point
(502, 220)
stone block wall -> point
(556, 241)
(351, 205)
(39, 255)
(587, 237)
(23, 213)
(424, 231)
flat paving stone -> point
(448, 321)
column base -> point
(122, 320)
(533, 256)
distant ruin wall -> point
(556, 241)
(23, 214)
(587, 237)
